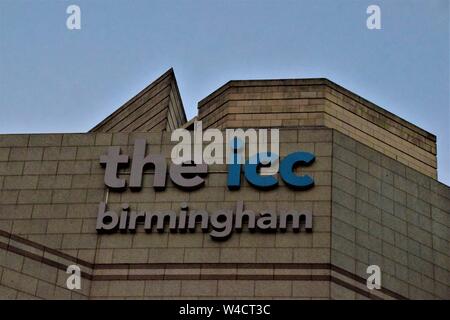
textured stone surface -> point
(394, 231)
(54, 203)
(320, 102)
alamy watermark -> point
(373, 22)
(74, 280)
(73, 21)
(234, 146)
(374, 280)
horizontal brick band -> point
(195, 271)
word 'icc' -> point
(190, 175)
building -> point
(375, 201)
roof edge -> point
(316, 81)
(169, 72)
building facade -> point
(375, 201)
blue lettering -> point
(288, 165)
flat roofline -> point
(316, 81)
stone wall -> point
(387, 214)
(51, 186)
(367, 209)
(319, 102)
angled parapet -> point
(306, 103)
(156, 108)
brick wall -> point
(319, 102)
(50, 189)
(388, 214)
(367, 209)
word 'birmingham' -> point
(220, 224)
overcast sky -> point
(57, 80)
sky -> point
(53, 79)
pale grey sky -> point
(56, 80)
